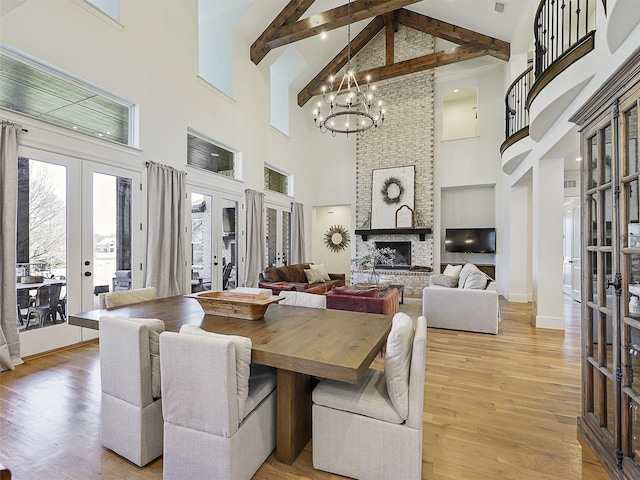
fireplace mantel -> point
(422, 232)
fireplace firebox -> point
(402, 259)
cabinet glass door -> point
(611, 284)
(630, 235)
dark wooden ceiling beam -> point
(453, 33)
(289, 14)
(390, 30)
(340, 60)
(332, 19)
(413, 65)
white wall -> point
(325, 218)
(471, 163)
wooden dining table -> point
(301, 343)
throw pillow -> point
(155, 327)
(314, 276)
(476, 281)
(464, 273)
(452, 270)
(398, 362)
(317, 290)
(243, 360)
(277, 287)
(322, 269)
(443, 280)
(368, 292)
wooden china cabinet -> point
(610, 417)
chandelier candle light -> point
(348, 101)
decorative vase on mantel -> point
(374, 277)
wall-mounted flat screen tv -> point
(470, 240)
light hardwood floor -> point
(496, 407)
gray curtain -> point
(297, 233)
(9, 337)
(256, 238)
(166, 235)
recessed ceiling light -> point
(323, 35)
(456, 90)
(578, 159)
(213, 154)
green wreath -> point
(392, 190)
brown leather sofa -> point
(284, 278)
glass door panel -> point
(112, 232)
(273, 256)
(111, 242)
(229, 244)
(41, 242)
(201, 242)
(630, 334)
(277, 228)
(285, 235)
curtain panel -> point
(256, 239)
(9, 337)
(297, 233)
(166, 230)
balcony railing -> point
(516, 113)
(559, 26)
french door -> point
(72, 225)
(278, 229)
(213, 261)
(112, 231)
(610, 419)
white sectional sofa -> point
(470, 305)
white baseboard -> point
(553, 323)
(519, 297)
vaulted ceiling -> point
(290, 26)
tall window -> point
(39, 91)
(216, 21)
(283, 71)
(110, 7)
(460, 114)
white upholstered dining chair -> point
(131, 408)
(219, 409)
(127, 297)
(373, 430)
(301, 299)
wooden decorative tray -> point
(248, 306)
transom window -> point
(29, 87)
(277, 181)
(205, 154)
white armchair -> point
(220, 422)
(301, 299)
(131, 408)
(373, 430)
